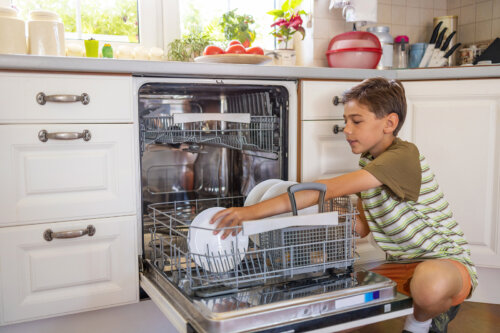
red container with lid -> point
(354, 49)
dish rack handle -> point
(181, 118)
(279, 222)
(307, 187)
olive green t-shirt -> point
(398, 168)
(408, 215)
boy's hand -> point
(231, 217)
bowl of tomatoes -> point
(235, 53)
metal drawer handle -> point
(41, 98)
(337, 101)
(44, 136)
(336, 129)
(49, 235)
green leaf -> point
(295, 3)
(276, 12)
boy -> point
(400, 203)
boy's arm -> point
(350, 183)
(362, 228)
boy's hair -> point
(381, 96)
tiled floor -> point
(472, 318)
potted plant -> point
(237, 27)
(287, 21)
(190, 46)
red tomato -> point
(212, 49)
(238, 49)
(255, 50)
(234, 42)
(246, 43)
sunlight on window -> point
(200, 15)
(107, 20)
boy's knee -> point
(428, 287)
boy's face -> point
(364, 131)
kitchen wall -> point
(478, 20)
(404, 17)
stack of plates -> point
(211, 252)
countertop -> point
(183, 69)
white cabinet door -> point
(456, 125)
(61, 180)
(109, 98)
(324, 153)
(40, 278)
(318, 99)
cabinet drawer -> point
(40, 278)
(324, 153)
(60, 180)
(318, 99)
(109, 98)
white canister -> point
(45, 34)
(386, 42)
(12, 32)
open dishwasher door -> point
(206, 143)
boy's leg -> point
(436, 285)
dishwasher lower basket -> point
(284, 253)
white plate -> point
(258, 191)
(255, 59)
(211, 252)
(277, 189)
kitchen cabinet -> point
(68, 223)
(323, 149)
(456, 125)
(62, 180)
(98, 98)
(41, 278)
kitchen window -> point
(199, 14)
(116, 21)
(106, 20)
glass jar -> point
(401, 52)
(386, 42)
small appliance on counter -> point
(491, 54)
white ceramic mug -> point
(12, 32)
(45, 34)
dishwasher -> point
(206, 143)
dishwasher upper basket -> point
(272, 256)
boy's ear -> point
(392, 122)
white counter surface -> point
(183, 69)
